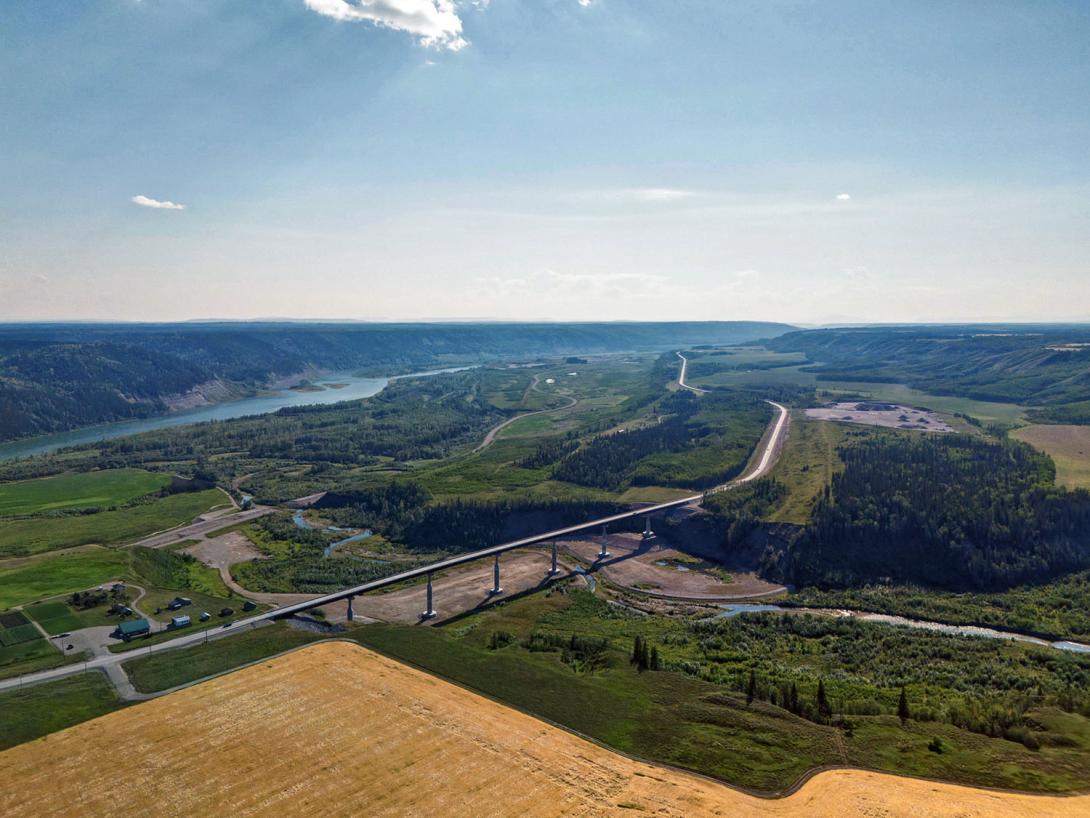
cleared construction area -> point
(334, 729)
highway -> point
(681, 377)
(771, 444)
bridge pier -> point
(554, 570)
(496, 589)
(351, 613)
(647, 532)
(430, 611)
(602, 552)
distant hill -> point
(1045, 365)
(55, 377)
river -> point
(905, 622)
(332, 388)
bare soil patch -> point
(351, 732)
(456, 592)
(224, 551)
(653, 567)
(877, 413)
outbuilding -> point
(180, 621)
(133, 629)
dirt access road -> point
(490, 438)
(347, 731)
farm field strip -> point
(378, 727)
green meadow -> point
(96, 489)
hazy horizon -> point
(461, 160)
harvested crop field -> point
(336, 729)
(1069, 448)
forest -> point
(401, 512)
(697, 443)
(955, 511)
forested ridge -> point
(1044, 365)
(55, 377)
(954, 511)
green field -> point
(29, 579)
(97, 489)
(28, 652)
(55, 617)
(165, 670)
(35, 535)
(37, 711)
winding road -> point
(490, 438)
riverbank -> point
(333, 387)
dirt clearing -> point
(876, 413)
(652, 567)
(337, 729)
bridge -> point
(772, 441)
(603, 523)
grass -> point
(55, 617)
(634, 712)
(166, 670)
(806, 466)
(95, 489)
(1069, 448)
(31, 656)
(35, 535)
(37, 711)
(26, 580)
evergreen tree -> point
(654, 664)
(751, 687)
(902, 707)
(825, 710)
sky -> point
(809, 161)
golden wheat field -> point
(334, 729)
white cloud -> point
(145, 201)
(585, 3)
(435, 23)
(843, 197)
(750, 274)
